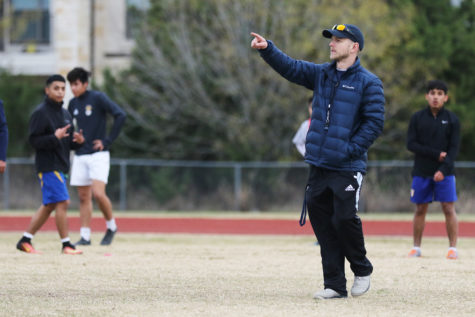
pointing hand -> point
(258, 42)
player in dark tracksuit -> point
(52, 135)
(90, 170)
(434, 138)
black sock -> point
(68, 244)
(25, 239)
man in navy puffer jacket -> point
(348, 115)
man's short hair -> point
(55, 77)
(437, 84)
(78, 73)
(310, 100)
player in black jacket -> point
(52, 135)
(434, 137)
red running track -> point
(235, 226)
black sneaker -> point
(108, 237)
(26, 247)
(83, 242)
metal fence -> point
(140, 184)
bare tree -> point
(197, 91)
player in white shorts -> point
(89, 167)
(91, 163)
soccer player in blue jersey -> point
(91, 163)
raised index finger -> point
(260, 38)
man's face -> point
(56, 90)
(78, 87)
(436, 98)
(340, 48)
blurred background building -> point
(42, 37)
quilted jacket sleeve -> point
(454, 144)
(372, 118)
(416, 147)
(297, 71)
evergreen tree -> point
(20, 95)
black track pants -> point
(332, 201)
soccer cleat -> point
(327, 293)
(26, 247)
(83, 241)
(360, 285)
(108, 237)
(69, 250)
(414, 253)
(452, 254)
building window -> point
(26, 23)
(136, 10)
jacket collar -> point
(84, 95)
(429, 112)
(330, 70)
(53, 104)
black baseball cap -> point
(348, 31)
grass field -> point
(224, 275)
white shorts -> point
(90, 167)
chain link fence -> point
(136, 184)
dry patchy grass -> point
(210, 275)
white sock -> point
(28, 235)
(65, 240)
(417, 248)
(453, 248)
(111, 224)
(85, 233)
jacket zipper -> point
(329, 107)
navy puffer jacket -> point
(348, 114)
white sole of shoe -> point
(359, 294)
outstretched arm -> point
(299, 72)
